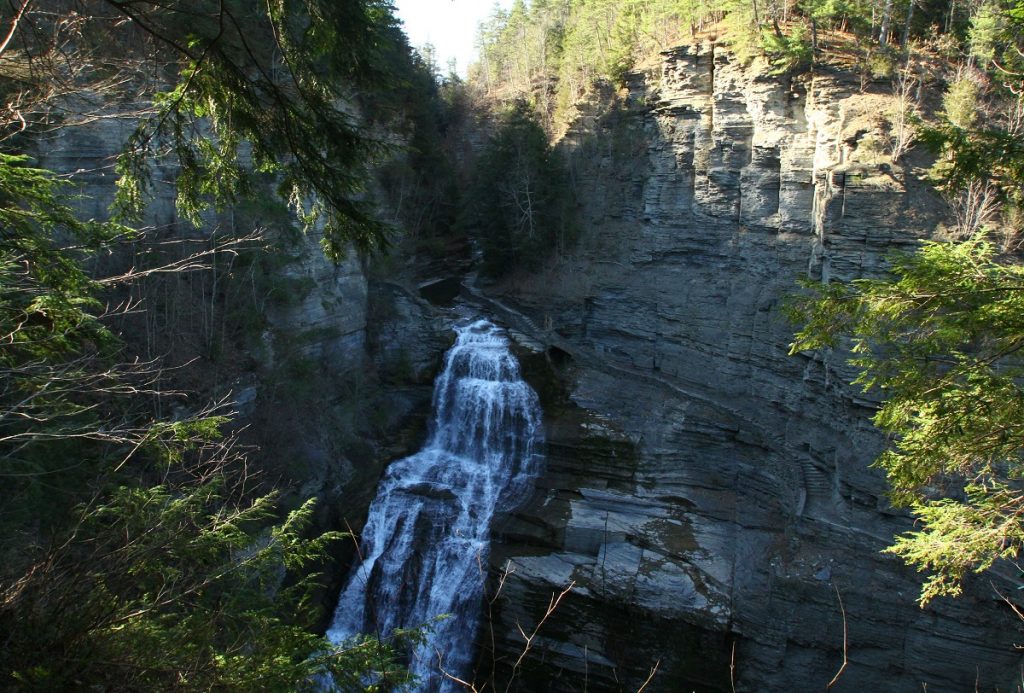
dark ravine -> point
(709, 494)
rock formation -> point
(709, 494)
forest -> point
(145, 541)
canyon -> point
(707, 495)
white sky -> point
(448, 24)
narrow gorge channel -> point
(425, 543)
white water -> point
(425, 542)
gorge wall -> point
(709, 495)
(272, 326)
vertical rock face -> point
(709, 495)
(297, 306)
(329, 314)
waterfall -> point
(424, 547)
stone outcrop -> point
(326, 313)
(298, 306)
(708, 495)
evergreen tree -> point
(137, 552)
(275, 84)
(135, 555)
(941, 341)
(519, 205)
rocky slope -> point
(709, 495)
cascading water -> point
(425, 543)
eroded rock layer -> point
(709, 494)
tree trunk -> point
(905, 42)
(883, 34)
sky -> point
(448, 24)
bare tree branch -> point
(14, 25)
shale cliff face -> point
(251, 327)
(326, 310)
(709, 495)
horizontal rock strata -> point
(708, 495)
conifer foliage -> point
(134, 555)
(520, 203)
(137, 551)
(555, 50)
(941, 338)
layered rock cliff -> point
(271, 326)
(708, 495)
